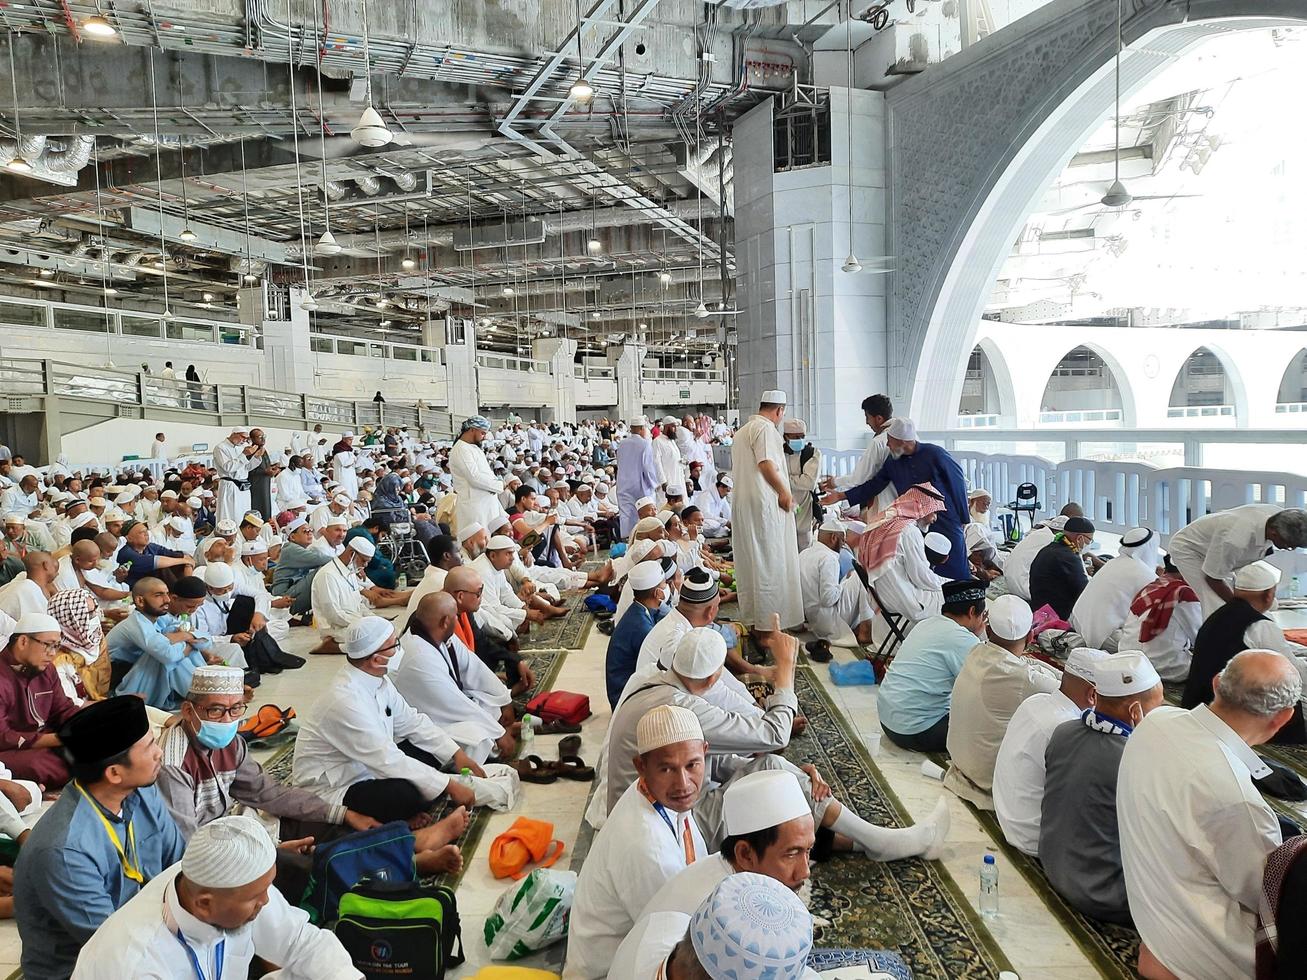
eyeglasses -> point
(478, 592)
(386, 649)
(216, 712)
(47, 644)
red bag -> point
(564, 706)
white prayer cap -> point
(96, 502)
(276, 541)
(937, 543)
(240, 430)
(255, 547)
(219, 575)
(559, 485)
(640, 422)
(675, 490)
(168, 495)
(644, 502)
(645, 575)
(501, 542)
(294, 524)
(341, 500)
(206, 493)
(602, 488)
(230, 852)
(476, 527)
(1010, 617)
(664, 517)
(773, 396)
(178, 524)
(671, 420)
(977, 493)
(1257, 577)
(793, 426)
(752, 926)
(646, 524)
(1055, 523)
(725, 480)
(1081, 662)
(666, 724)
(366, 636)
(832, 523)
(762, 799)
(335, 520)
(81, 520)
(226, 527)
(583, 486)
(699, 654)
(348, 434)
(217, 679)
(361, 546)
(903, 429)
(36, 623)
(194, 502)
(1125, 674)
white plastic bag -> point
(531, 914)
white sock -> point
(924, 839)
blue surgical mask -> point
(796, 445)
(216, 734)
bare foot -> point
(443, 860)
(443, 831)
(418, 821)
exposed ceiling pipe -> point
(369, 184)
(405, 180)
(334, 190)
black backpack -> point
(400, 930)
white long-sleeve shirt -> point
(1195, 835)
(455, 689)
(138, 941)
(337, 596)
(476, 486)
(1172, 650)
(873, 458)
(1016, 569)
(1104, 604)
(501, 609)
(906, 584)
(353, 735)
(1019, 767)
(667, 459)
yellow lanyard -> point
(134, 873)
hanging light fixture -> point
(407, 263)
(665, 277)
(370, 130)
(99, 27)
(327, 245)
(851, 264)
(16, 163)
(186, 234)
(308, 304)
(1117, 196)
(158, 173)
(701, 311)
(245, 197)
(581, 91)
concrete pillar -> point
(287, 353)
(808, 327)
(561, 355)
(461, 368)
(626, 361)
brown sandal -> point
(573, 767)
(534, 769)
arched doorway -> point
(1292, 395)
(1082, 388)
(1203, 389)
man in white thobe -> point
(715, 505)
(216, 905)
(763, 537)
(667, 457)
(1016, 568)
(837, 610)
(234, 460)
(339, 586)
(1211, 549)
(475, 483)
(878, 412)
(444, 680)
(159, 448)
(1100, 613)
(1195, 830)
(343, 466)
(1163, 624)
(649, 836)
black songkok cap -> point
(103, 729)
(1078, 525)
(190, 587)
(963, 593)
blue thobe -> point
(929, 464)
(624, 646)
(161, 670)
(68, 878)
(637, 476)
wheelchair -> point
(400, 545)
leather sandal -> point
(573, 767)
(570, 745)
(818, 651)
(534, 769)
(557, 728)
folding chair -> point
(885, 652)
(1027, 503)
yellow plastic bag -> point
(513, 973)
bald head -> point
(40, 567)
(462, 578)
(85, 554)
(437, 614)
(107, 542)
(1256, 694)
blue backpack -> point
(382, 854)
(600, 603)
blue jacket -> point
(624, 647)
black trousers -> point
(386, 799)
(933, 739)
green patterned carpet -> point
(565, 633)
(545, 664)
(913, 908)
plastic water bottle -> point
(185, 621)
(989, 887)
(528, 736)
(401, 582)
(465, 777)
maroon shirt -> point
(30, 704)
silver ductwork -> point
(56, 160)
(369, 184)
(405, 180)
(334, 190)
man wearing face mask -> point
(803, 463)
(365, 747)
(649, 595)
(214, 906)
(1079, 842)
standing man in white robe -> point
(667, 456)
(763, 536)
(234, 459)
(342, 466)
(475, 484)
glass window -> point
(321, 345)
(139, 326)
(352, 347)
(404, 353)
(231, 335)
(430, 355)
(22, 315)
(180, 330)
(90, 320)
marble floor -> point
(1036, 944)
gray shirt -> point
(1079, 842)
(730, 735)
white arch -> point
(952, 234)
(1233, 379)
(1124, 387)
(1002, 376)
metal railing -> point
(222, 403)
(977, 421)
(1201, 411)
(46, 315)
(1080, 416)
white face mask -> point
(392, 664)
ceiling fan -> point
(1137, 197)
